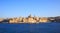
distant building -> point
(36, 18)
(30, 19)
(25, 20)
(13, 20)
(1, 19)
(20, 19)
(43, 19)
(51, 19)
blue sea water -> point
(30, 28)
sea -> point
(30, 28)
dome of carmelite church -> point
(30, 15)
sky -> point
(17, 8)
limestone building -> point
(43, 19)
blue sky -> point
(16, 8)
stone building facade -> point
(28, 19)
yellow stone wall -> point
(43, 20)
(25, 20)
(31, 20)
(1, 19)
(13, 20)
(20, 19)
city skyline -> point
(42, 8)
